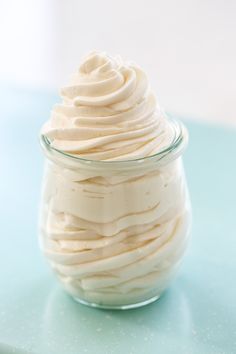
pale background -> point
(187, 47)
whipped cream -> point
(108, 113)
(114, 234)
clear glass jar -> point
(115, 232)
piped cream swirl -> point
(108, 113)
(114, 236)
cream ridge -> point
(108, 113)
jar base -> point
(117, 307)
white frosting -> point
(114, 236)
(108, 112)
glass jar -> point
(115, 232)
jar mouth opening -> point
(175, 148)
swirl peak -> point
(108, 112)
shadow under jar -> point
(115, 232)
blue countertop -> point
(197, 315)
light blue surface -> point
(197, 315)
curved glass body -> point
(115, 232)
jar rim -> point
(176, 147)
